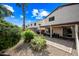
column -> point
(50, 31)
(77, 39)
(73, 31)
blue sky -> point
(34, 12)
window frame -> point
(51, 18)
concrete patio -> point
(63, 44)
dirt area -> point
(25, 50)
(22, 49)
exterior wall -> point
(45, 21)
(35, 26)
(42, 28)
(65, 15)
(58, 30)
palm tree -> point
(4, 12)
(23, 5)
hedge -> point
(9, 35)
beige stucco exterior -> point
(67, 16)
(58, 30)
(64, 15)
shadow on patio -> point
(65, 42)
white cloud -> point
(12, 16)
(29, 21)
(9, 8)
(35, 12)
(21, 16)
(39, 17)
(39, 14)
(14, 21)
(44, 13)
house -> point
(35, 26)
(64, 22)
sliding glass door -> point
(67, 32)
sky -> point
(34, 12)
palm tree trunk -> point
(23, 12)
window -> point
(67, 32)
(34, 24)
(52, 18)
(31, 24)
(39, 24)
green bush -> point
(9, 35)
(28, 35)
(38, 43)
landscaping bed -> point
(37, 43)
(25, 50)
(9, 35)
(33, 45)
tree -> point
(4, 12)
(23, 5)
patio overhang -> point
(75, 29)
(33, 27)
(59, 24)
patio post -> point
(50, 31)
(77, 39)
(73, 31)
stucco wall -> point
(58, 30)
(65, 14)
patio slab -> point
(65, 45)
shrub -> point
(9, 35)
(38, 43)
(28, 35)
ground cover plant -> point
(28, 35)
(9, 35)
(38, 43)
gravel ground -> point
(24, 50)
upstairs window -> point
(34, 24)
(31, 24)
(52, 18)
(39, 24)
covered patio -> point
(62, 44)
(68, 37)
